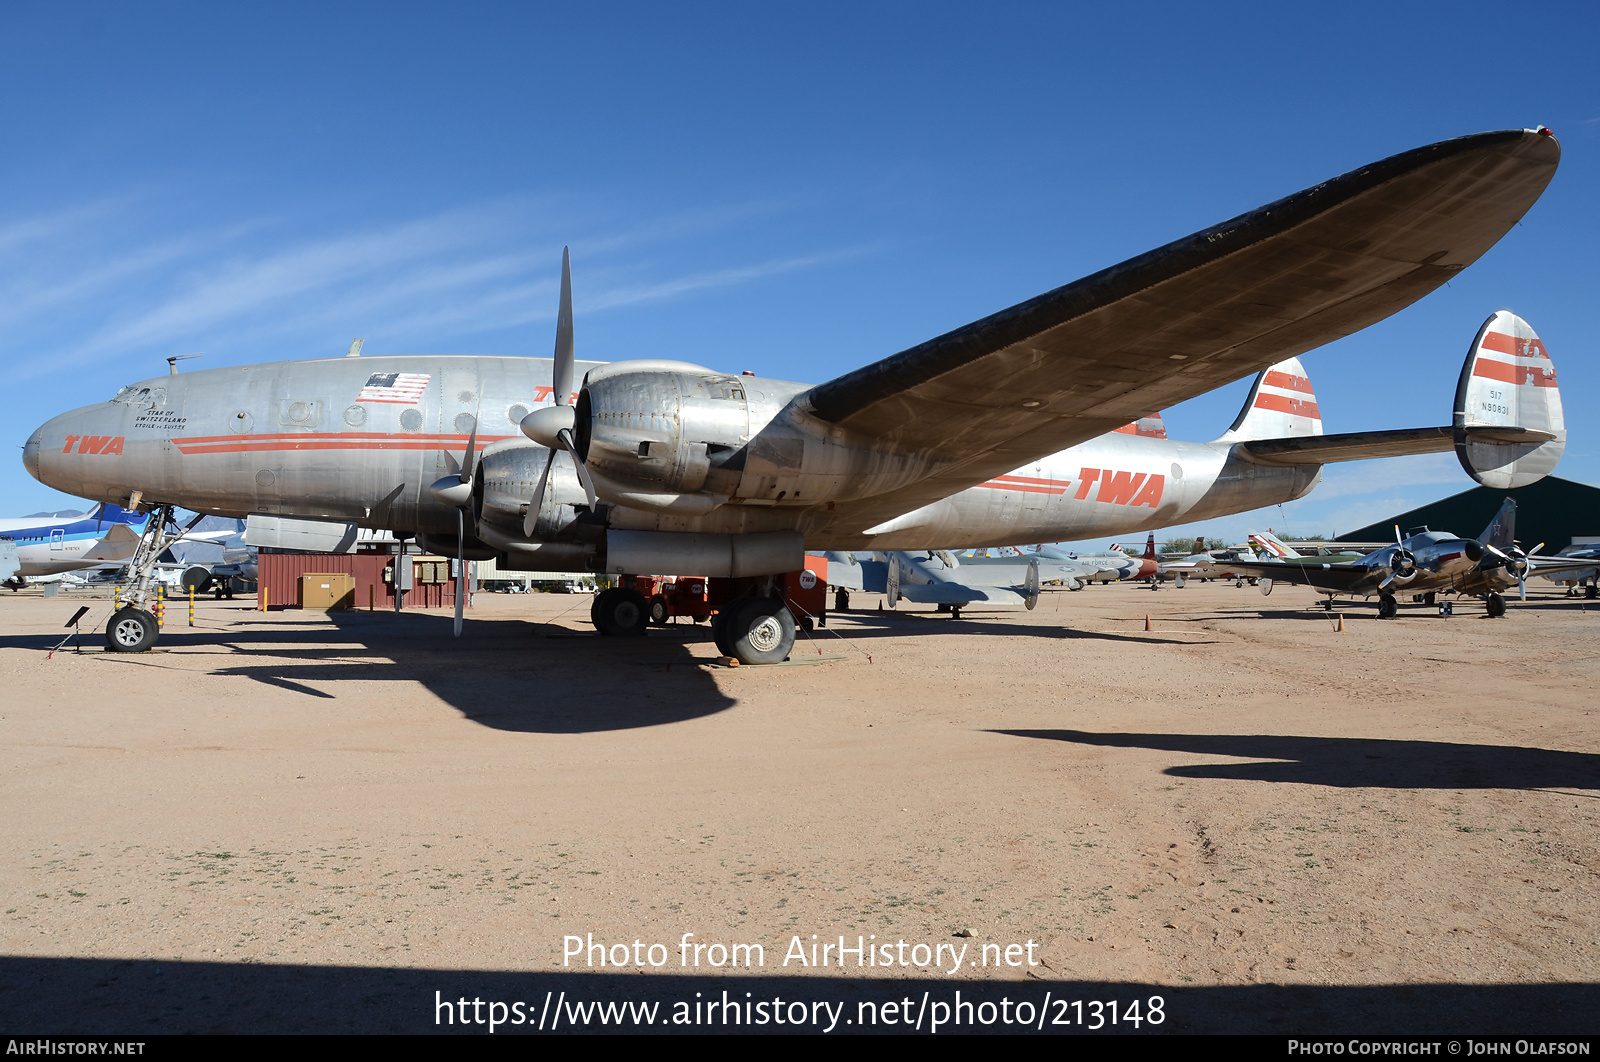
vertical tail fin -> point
(1281, 405)
(1508, 381)
(1502, 530)
(1150, 547)
(1267, 542)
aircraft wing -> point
(1176, 322)
(1551, 566)
(1340, 576)
(959, 594)
(1364, 445)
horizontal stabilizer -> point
(1366, 445)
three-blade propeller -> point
(1516, 563)
(1402, 563)
(552, 426)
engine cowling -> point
(663, 427)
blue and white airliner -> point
(46, 545)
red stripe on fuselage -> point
(229, 444)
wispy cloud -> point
(95, 297)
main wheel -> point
(659, 613)
(622, 613)
(1496, 606)
(1591, 591)
(841, 600)
(760, 631)
(131, 630)
(719, 627)
(1388, 607)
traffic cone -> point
(1338, 623)
(1147, 622)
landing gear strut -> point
(133, 628)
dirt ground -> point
(299, 821)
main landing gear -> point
(754, 629)
(1388, 607)
(1496, 606)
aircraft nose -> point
(30, 453)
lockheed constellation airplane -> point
(666, 467)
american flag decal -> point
(403, 388)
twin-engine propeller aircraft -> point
(665, 467)
(1426, 563)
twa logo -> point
(94, 444)
(1121, 488)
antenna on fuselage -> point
(172, 362)
(355, 348)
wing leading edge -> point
(1186, 318)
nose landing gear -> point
(133, 628)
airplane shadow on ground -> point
(1357, 762)
(509, 674)
(892, 623)
(141, 997)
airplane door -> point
(58, 538)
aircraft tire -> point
(1388, 608)
(1496, 606)
(761, 631)
(622, 613)
(841, 600)
(659, 612)
(719, 627)
(131, 630)
(594, 607)
(1591, 591)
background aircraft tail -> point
(1502, 530)
(1267, 542)
(1281, 405)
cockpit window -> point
(137, 394)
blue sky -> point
(793, 191)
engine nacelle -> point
(663, 427)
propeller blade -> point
(461, 567)
(468, 468)
(583, 473)
(531, 521)
(1385, 584)
(564, 367)
(1522, 587)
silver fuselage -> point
(298, 439)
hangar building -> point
(1552, 511)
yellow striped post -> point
(161, 607)
(116, 597)
(191, 606)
